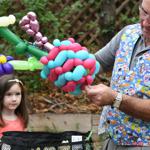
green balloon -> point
(32, 64)
(21, 48)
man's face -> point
(144, 10)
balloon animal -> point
(65, 63)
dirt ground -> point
(60, 103)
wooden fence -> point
(97, 22)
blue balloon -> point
(97, 69)
(43, 75)
(60, 59)
(77, 91)
(46, 70)
(71, 54)
(51, 64)
(78, 73)
(92, 56)
(56, 42)
(61, 81)
(82, 54)
(65, 42)
(69, 76)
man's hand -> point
(101, 94)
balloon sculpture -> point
(65, 63)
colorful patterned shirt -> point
(125, 129)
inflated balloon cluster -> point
(30, 24)
(65, 63)
(69, 66)
(5, 66)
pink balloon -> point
(71, 40)
(77, 62)
(31, 15)
(89, 79)
(39, 44)
(30, 32)
(26, 27)
(38, 36)
(68, 65)
(25, 20)
(34, 25)
(58, 70)
(44, 39)
(69, 87)
(89, 63)
(92, 70)
(81, 81)
(52, 75)
(44, 60)
(53, 53)
(48, 46)
(63, 47)
(84, 48)
(75, 47)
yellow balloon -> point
(3, 59)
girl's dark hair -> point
(21, 110)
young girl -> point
(13, 111)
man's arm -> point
(103, 95)
(136, 107)
(106, 55)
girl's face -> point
(12, 98)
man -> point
(126, 113)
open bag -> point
(68, 140)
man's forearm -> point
(136, 107)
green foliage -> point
(127, 20)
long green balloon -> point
(21, 46)
(32, 64)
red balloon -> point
(89, 63)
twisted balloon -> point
(69, 66)
(5, 66)
(30, 24)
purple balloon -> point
(8, 68)
(25, 27)
(30, 32)
(39, 43)
(9, 58)
(38, 36)
(31, 15)
(44, 40)
(25, 20)
(34, 25)
(1, 70)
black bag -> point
(68, 140)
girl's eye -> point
(8, 94)
(18, 93)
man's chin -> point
(146, 35)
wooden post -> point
(107, 20)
